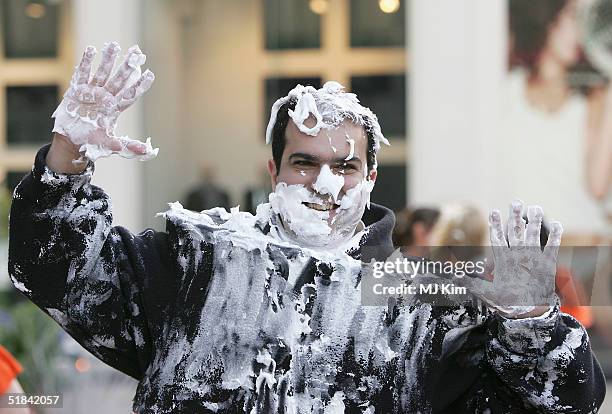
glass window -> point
(290, 24)
(279, 87)
(390, 188)
(386, 96)
(372, 27)
(29, 110)
(30, 28)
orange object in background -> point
(572, 297)
(9, 369)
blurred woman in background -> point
(412, 230)
(460, 234)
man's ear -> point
(372, 175)
(273, 173)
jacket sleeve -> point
(95, 280)
(548, 361)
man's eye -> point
(345, 168)
(303, 163)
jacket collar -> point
(377, 241)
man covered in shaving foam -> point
(232, 313)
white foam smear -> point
(334, 149)
(330, 106)
(336, 405)
(328, 182)
(96, 151)
(561, 356)
(303, 109)
(351, 143)
(20, 286)
(383, 347)
(311, 228)
(287, 201)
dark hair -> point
(530, 22)
(403, 233)
(279, 138)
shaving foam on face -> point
(288, 201)
(303, 109)
(351, 142)
(328, 182)
(352, 206)
(311, 228)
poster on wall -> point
(557, 113)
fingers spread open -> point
(83, 71)
(134, 59)
(131, 94)
(551, 250)
(534, 222)
(516, 224)
(496, 232)
(109, 55)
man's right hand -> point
(86, 118)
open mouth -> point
(321, 207)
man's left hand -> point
(523, 284)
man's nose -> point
(328, 183)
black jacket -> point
(210, 317)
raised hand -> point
(88, 114)
(524, 276)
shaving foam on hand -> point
(88, 113)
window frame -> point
(33, 72)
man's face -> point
(322, 186)
(307, 159)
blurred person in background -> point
(257, 194)
(9, 370)
(546, 118)
(460, 234)
(207, 193)
(460, 225)
(413, 229)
